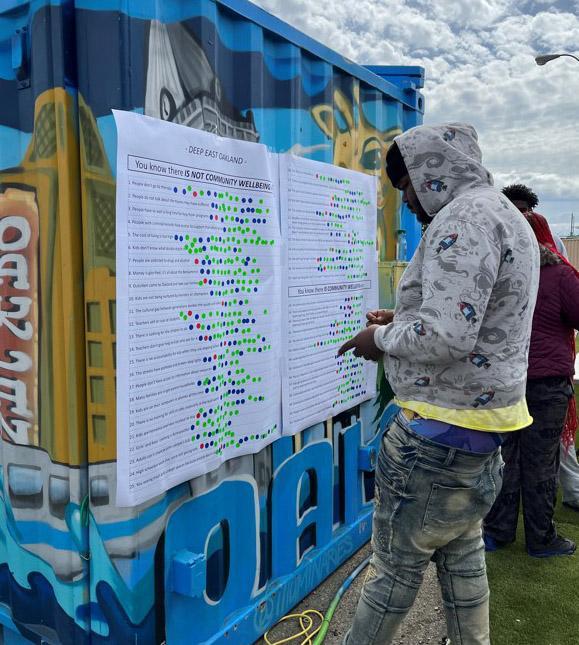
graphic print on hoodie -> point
(464, 306)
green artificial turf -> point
(535, 601)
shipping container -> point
(218, 558)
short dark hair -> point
(395, 166)
(520, 192)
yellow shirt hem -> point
(509, 419)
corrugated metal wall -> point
(73, 566)
(572, 246)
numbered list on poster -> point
(198, 279)
(329, 222)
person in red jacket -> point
(532, 455)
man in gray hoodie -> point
(455, 352)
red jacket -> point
(556, 314)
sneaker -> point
(574, 506)
(559, 546)
(492, 544)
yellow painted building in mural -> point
(98, 199)
(49, 176)
(46, 186)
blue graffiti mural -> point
(223, 556)
(211, 584)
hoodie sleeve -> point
(460, 267)
(570, 297)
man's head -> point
(398, 175)
(433, 165)
(522, 197)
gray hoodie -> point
(464, 306)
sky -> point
(478, 57)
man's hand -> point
(380, 317)
(363, 345)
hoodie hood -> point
(443, 162)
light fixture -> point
(545, 58)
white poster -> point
(198, 304)
(329, 223)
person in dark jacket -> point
(532, 455)
(526, 201)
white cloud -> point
(467, 14)
(478, 56)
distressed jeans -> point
(429, 504)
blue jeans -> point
(429, 504)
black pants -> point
(531, 460)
